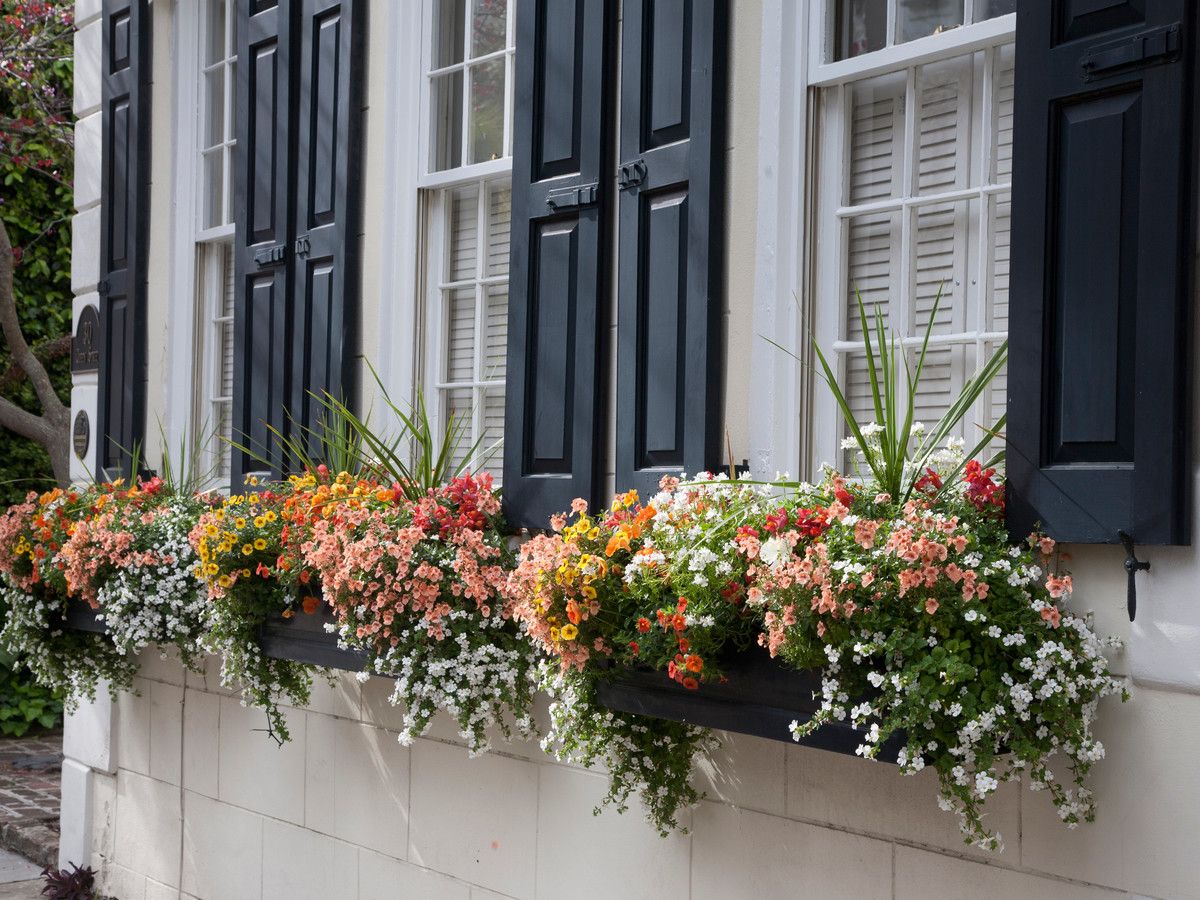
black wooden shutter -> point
(300, 95)
(670, 287)
(125, 162)
(557, 304)
(1101, 288)
(328, 134)
(262, 251)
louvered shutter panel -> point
(328, 141)
(125, 93)
(263, 176)
(670, 287)
(1102, 247)
(556, 373)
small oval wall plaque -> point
(85, 345)
(81, 434)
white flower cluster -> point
(480, 679)
(162, 604)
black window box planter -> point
(79, 616)
(761, 697)
(303, 638)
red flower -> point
(690, 683)
(643, 624)
(777, 521)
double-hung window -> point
(914, 103)
(467, 199)
(213, 399)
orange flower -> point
(573, 612)
(679, 622)
(690, 683)
(309, 605)
(643, 624)
(931, 606)
(694, 663)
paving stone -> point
(30, 795)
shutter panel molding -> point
(670, 352)
(554, 416)
(263, 176)
(328, 210)
(1103, 240)
(298, 213)
(125, 191)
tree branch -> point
(22, 422)
(22, 355)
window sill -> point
(762, 697)
(79, 616)
(303, 638)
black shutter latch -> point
(561, 199)
(266, 257)
(1146, 48)
(632, 174)
(1133, 565)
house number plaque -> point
(85, 345)
(81, 434)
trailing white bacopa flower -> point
(164, 603)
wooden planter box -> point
(303, 638)
(79, 616)
(762, 697)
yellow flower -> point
(219, 515)
(247, 549)
(260, 544)
(210, 530)
(269, 515)
(251, 479)
(554, 634)
(259, 522)
(569, 632)
(245, 573)
(239, 523)
(210, 569)
(224, 581)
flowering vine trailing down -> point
(925, 621)
(415, 583)
(240, 547)
(654, 585)
(123, 551)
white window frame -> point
(436, 188)
(193, 374)
(790, 427)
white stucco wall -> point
(176, 792)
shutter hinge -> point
(632, 174)
(1146, 48)
(302, 246)
(270, 256)
(565, 198)
(1133, 565)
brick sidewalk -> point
(30, 770)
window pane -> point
(214, 43)
(489, 26)
(944, 136)
(876, 139)
(491, 448)
(213, 175)
(989, 9)
(861, 27)
(487, 110)
(921, 18)
(499, 216)
(941, 258)
(1000, 220)
(214, 107)
(457, 414)
(1002, 115)
(460, 335)
(495, 333)
(464, 234)
(447, 32)
(873, 268)
(446, 101)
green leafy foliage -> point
(36, 203)
(24, 704)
